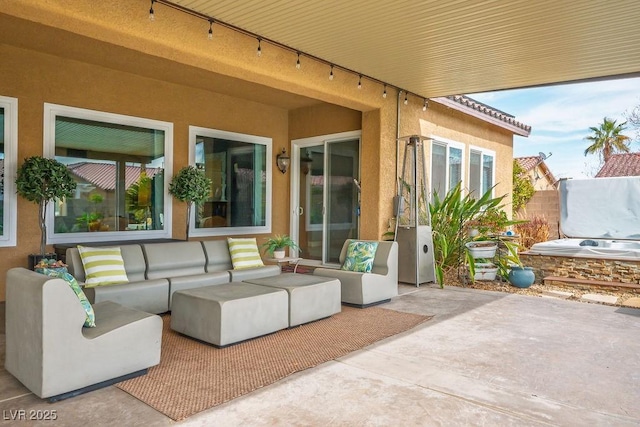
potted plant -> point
(41, 180)
(276, 245)
(190, 185)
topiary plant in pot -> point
(190, 185)
(41, 180)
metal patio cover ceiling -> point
(437, 48)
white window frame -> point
(448, 143)
(10, 217)
(194, 132)
(483, 152)
(51, 111)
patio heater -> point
(413, 232)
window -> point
(446, 165)
(121, 165)
(481, 171)
(240, 172)
(8, 157)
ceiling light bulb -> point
(152, 16)
(259, 48)
(210, 30)
(406, 99)
(360, 82)
(298, 62)
(331, 73)
(384, 92)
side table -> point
(285, 260)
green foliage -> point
(279, 241)
(522, 188)
(607, 139)
(132, 198)
(451, 218)
(192, 186)
(41, 180)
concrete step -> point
(557, 294)
(632, 302)
(599, 298)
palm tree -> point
(607, 139)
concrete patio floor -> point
(486, 358)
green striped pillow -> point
(244, 253)
(102, 266)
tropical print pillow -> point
(90, 321)
(359, 256)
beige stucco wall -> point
(107, 56)
(444, 122)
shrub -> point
(533, 231)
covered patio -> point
(486, 358)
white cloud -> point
(560, 117)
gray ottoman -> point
(228, 313)
(310, 297)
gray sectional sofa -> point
(157, 270)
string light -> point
(298, 53)
(152, 16)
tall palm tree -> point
(607, 139)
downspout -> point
(396, 198)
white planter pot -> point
(485, 271)
(279, 253)
(482, 249)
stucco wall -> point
(35, 78)
(451, 124)
(107, 56)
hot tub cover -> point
(600, 208)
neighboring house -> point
(137, 93)
(545, 202)
(624, 164)
(538, 172)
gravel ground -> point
(537, 289)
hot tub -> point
(589, 248)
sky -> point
(560, 117)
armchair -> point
(49, 351)
(366, 289)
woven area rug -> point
(193, 376)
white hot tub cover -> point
(600, 208)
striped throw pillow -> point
(102, 266)
(244, 253)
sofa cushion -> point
(102, 266)
(244, 253)
(90, 321)
(360, 256)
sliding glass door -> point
(326, 195)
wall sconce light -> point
(283, 160)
